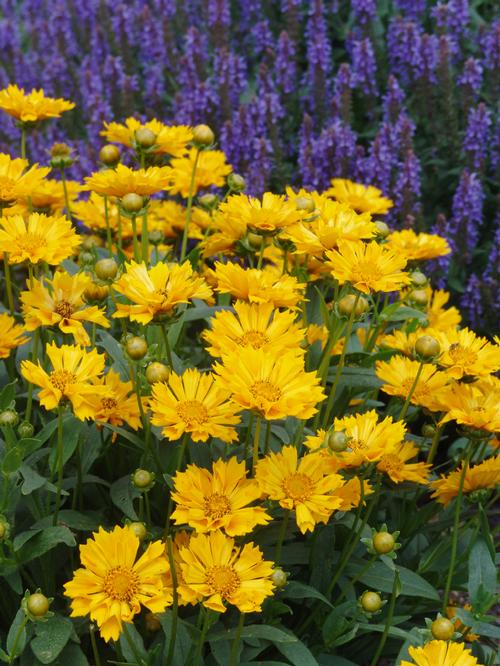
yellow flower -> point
(269, 215)
(316, 333)
(116, 403)
(399, 374)
(194, 403)
(417, 247)
(229, 227)
(218, 499)
(474, 405)
(441, 653)
(363, 198)
(48, 197)
(211, 169)
(215, 572)
(258, 286)
(73, 370)
(92, 213)
(395, 464)
(124, 180)
(112, 584)
(404, 341)
(170, 218)
(41, 238)
(367, 266)
(33, 106)
(255, 325)
(17, 181)
(157, 291)
(300, 485)
(477, 477)
(170, 139)
(439, 318)
(275, 385)
(11, 335)
(59, 302)
(465, 353)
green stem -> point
(167, 347)
(145, 237)
(388, 621)
(120, 231)
(435, 441)
(133, 221)
(189, 207)
(404, 409)
(256, 442)
(261, 254)
(248, 435)
(60, 463)
(233, 658)
(140, 661)
(95, 651)
(108, 227)
(175, 602)
(267, 437)
(354, 580)
(66, 197)
(201, 642)
(34, 357)
(19, 632)
(281, 536)
(8, 283)
(23, 142)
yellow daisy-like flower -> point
(124, 180)
(465, 353)
(59, 302)
(92, 213)
(316, 333)
(73, 371)
(272, 385)
(218, 499)
(258, 286)
(157, 291)
(395, 463)
(215, 571)
(367, 266)
(170, 218)
(17, 181)
(474, 405)
(228, 228)
(255, 325)
(11, 335)
(477, 477)
(269, 215)
(194, 403)
(112, 584)
(439, 317)
(116, 402)
(212, 169)
(399, 375)
(417, 247)
(49, 195)
(300, 485)
(363, 198)
(170, 139)
(441, 653)
(33, 106)
(41, 238)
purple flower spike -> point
(476, 136)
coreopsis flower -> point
(367, 266)
(112, 584)
(17, 181)
(418, 247)
(115, 403)
(258, 286)
(92, 213)
(11, 335)
(474, 405)
(465, 353)
(31, 107)
(59, 302)
(40, 238)
(228, 228)
(300, 485)
(170, 139)
(170, 218)
(215, 571)
(272, 385)
(48, 197)
(316, 333)
(439, 317)
(211, 169)
(157, 291)
(73, 370)
(255, 325)
(404, 341)
(399, 374)
(477, 477)
(124, 180)
(363, 198)
(269, 215)
(218, 499)
(395, 463)
(194, 403)
(441, 653)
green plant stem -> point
(23, 142)
(189, 207)
(406, 404)
(434, 445)
(20, 630)
(281, 536)
(140, 661)
(256, 442)
(167, 347)
(236, 642)
(66, 196)
(261, 254)
(135, 242)
(145, 237)
(267, 437)
(120, 230)
(8, 283)
(60, 463)
(248, 435)
(95, 651)
(456, 524)
(175, 602)
(108, 227)
(388, 621)
(34, 357)
(201, 641)
(354, 580)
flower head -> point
(484, 475)
(218, 499)
(417, 247)
(112, 584)
(439, 317)
(17, 181)
(268, 215)
(465, 353)
(395, 463)
(363, 198)
(11, 335)
(211, 169)
(48, 197)
(124, 180)
(474, 405)
(92, 213)
(33, 106)
(441, 653)
(170, 139)
(115, 402)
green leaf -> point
(83, 522)
(380, 577)
(136, 639)
(32, 480)
(71, 432)
(263, 631)
(122, 494)
(72, 654)
(296, 590)
(297, 654)
(482, 570)
(7, 395)
(16, 638)
(51, 637)
(115, 351)
(31, 544)
(12, 460)
(183, 640)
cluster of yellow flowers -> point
(296, 288)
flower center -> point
(31, 243)
(357, 445)
(297, 486)
(192, 412)
(366, 271)
(461, 355)
(64, 309)
(390, 463)
(216, 505)
(263, 389)
(254, 339)
(121, 583)
(109, 404)
(61, 379)
(223, 579)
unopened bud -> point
(25, 430)
(279, 577)
(145, 138)
(96, 292)
(136, 347)
(235, 182)
(157, 372)
(427, 347)
(139, 529)
(203, 135)
(38, 605)
(132, 203)
(419, 296)
(371, 602)
(143, 479)
(8, 418)
(109, 155)
(336, 440)
(382, 230)
(106, 269)
(418, 279)
(348, 303)
(305, 204)
(383, 543)
(442, 629)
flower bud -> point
(153, 624)
(25, 430)
(427, 347)
(96, 292)
(371, 602)
(145, 138)
(60, 156)
(139, 529)
(109, 155)
(8, 418)
(143, 479)
(86, 258)
(336, 440)
(157, 372)
(383, 543)
(88, 243)
(4, 528)
(418, 279)
(255, 240)
(305, 204)
(106, 269)
(382, 229)
(428, 430)
(279, 577)
(346, 305)
(208, 200)
(136, 347)
(132, 203)
(38, 605)
(419, 296)
(203, 135)
(442, 629)
(155, 237)
(235, 182)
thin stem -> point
(233, 658)
(281, 536)
(201, 642)
(404, 409)
(145, 237)
(261, 254)
(95, 651)
(189, 207)
(8, 282)
(23, 142)
(256, 442)
(388, 621)
(267, 437)
(435, 441)
(120, 231)
(133, 221)
(108, 227)
(354, 580)
(140, 661)
(66, 197)
(60, 463)
(34, 357)
(248, 435)
(175, 602)
(167, 346)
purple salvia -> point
(260, 167)
(472, 303)
(229, 79)
(392, 100)
(319, 53)
(472, 76)
(467, 215)
(404, 40)
(364, 66)
(412, 8)
(491, 48)
(407, 190)
(364, 11)
(343, 85)
(262, 39)
(219, 21)
(306, 153)
(285, 65)
(475, 142)
(454, 17)
(377, 168)
(430, 58)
